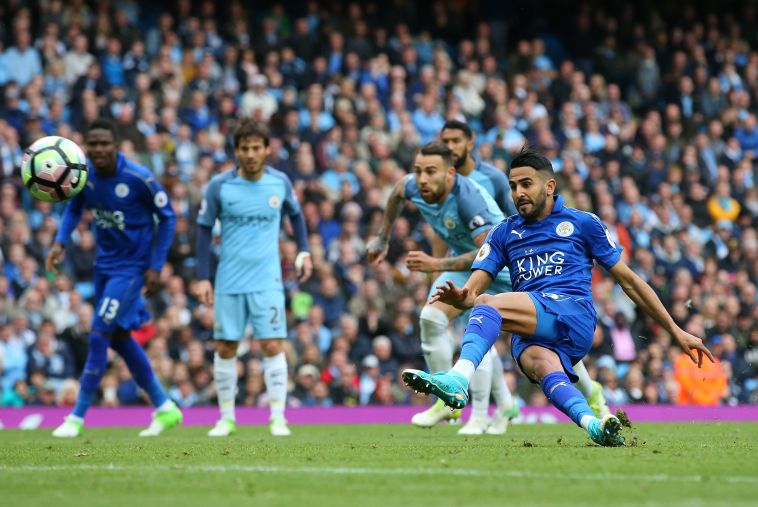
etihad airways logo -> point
(544, 264)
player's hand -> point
(376, 250)
(452, 295)
(421, 261)
(204, 292)
(152, 282)
(304, 266)
(55, 258)
(693, 347)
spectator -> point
(21, 61)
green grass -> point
(667, 464)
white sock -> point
(275, 376)
(500, 390)
(465, 368)
(75, 418)
(480, 386)
(166, 406)
(225, 374)
(584, 384)
(585, 421)
(435, 339)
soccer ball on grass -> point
(54, 169)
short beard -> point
(538, 207)
(461, 161)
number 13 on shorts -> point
(108, 309)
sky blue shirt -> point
(467, 212)
(551, 256)
(21, 67)
(496, 184)
(250, 213)
(125, 209)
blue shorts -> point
(565, 325)
(263, 310)
(119, 303)
(499, 285)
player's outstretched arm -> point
(376, 249)
(464, 297)
(644, 296)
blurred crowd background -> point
(647, 111)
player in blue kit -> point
(125, 200)
(249, 203)
(549, 249)
(460, 139)
(461, 212)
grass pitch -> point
(663, 464)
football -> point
(54, 169)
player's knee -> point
(432, 322)
(226, 349)
(483, 300)
(271, 347)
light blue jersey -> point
(496, 184)
(467, 212)
(250, 213)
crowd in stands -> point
(647, 111)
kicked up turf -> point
(662, 464)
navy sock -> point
(565, 397)
(139, 365)
(482, 331)
(94, 368)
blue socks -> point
(565, 397)
(139, 366)
(97, 361)
(482, 331)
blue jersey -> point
(552, 256)
(125, 208)
(467, 212)
(496, 183)
(250, 213)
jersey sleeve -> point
(158, 201)
(599, 242)
(291, 205)
(210, 205)
(160, 205)
(492, 256)
(474, 211)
